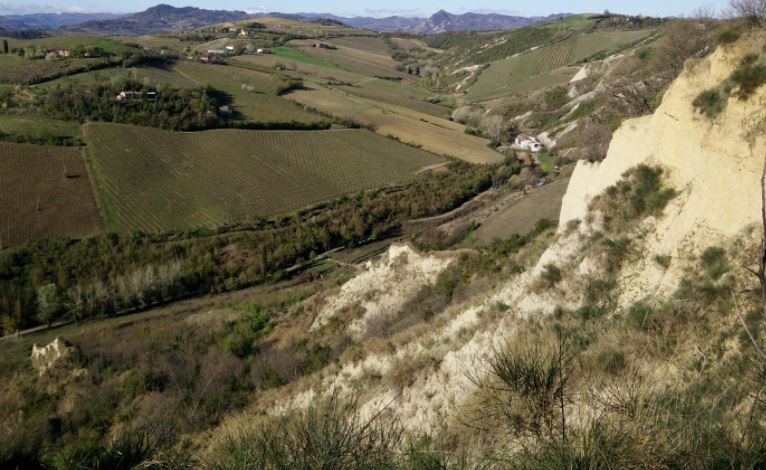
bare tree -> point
(705, 12)
(752, 11)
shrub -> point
(330, 434)
(713, 261)
(663, 260)
(640, 193)
(556, 98)
(710, 102)
(729, 35)
(644, 53)
(611, 361)
(641, 316)
(749, 77)
(551, 274)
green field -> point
(65, 42)
(37, 127)
(545, 66)
(155, 180)
(253, 92)
(25, 71)
(291, 53)
(366, 56)
(151, 75)
(391, 92)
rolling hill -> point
(159, 18)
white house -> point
(128, 95)
(529, 143)
(230, 48)
(216, 51)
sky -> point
(377, 8)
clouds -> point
(257, 9)
(393, 11)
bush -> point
(713, 261)
(749, 77)
(663, 260)
(640, 193)
(641, 316)
(327, 435)
(551, 274)
(729, 35)
(611, 361)
(710, 102)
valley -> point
(235, 240)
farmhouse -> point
(64, 53)
(243, 33)
(216, 51)
(51, 55)
(529, 143)
(230, 48)
(262, 51)
(128, 95)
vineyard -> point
(155, 180)
(24, 71)
(253, 92)
(45, 192)
(548, 66)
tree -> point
(752, 11)
(48, 303)
(5, 46)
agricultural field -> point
(434, 134)
(68, 42)
(45, 192)
(253, 92)
(37, 127)
(271, 61)
(156, 180)
(307, 28)
(292, 53)
(161, 42)
(520, 217)
(365, 56)
(154, 76)
(549, 65)
(396, 93)
(25, 71)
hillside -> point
(50, 20)
(158, 19)
(281, 242)
(439, 22)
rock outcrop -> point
(44, 358)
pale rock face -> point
(383, 287)
(45, 357)
(714, 164)
(716, 168)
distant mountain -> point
(50, 20)
(439, 22)
(158, 19)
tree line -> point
(64, 279)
